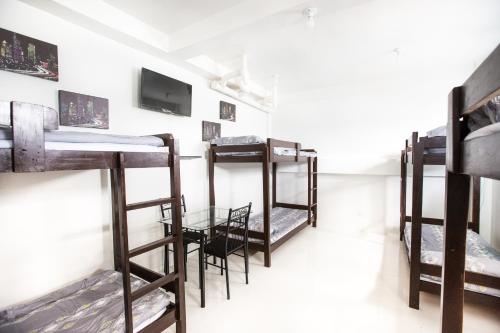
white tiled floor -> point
(321, 281)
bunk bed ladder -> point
(312, 193)
(123, 255)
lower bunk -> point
(482, 264)
(284, 223)
(94, 304)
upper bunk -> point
(245, 149)
(474, 122)
(30, 141)
(432, 147)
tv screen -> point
(164, 94)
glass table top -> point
(202, 219)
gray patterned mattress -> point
(439, 131)
(94, 304)
(480, 256)
(252, 139)
(66, 140)
(283, 220)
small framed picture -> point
(83, 110)
(227, 111)
(209, 130)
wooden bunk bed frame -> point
(265, 155)
(418, 153)
(28, 154)
(478, 157)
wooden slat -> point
(434, 159)
(162, 323)
(145, 159)
(149, 275)
(5, 160)
(482, 85)
(164, 280)
(470, 277)
(240, 148)
(150, 203)
(238, 159)
(78, 160)
(151, 246)
(292, 206)
(469, 296)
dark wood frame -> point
(416, 153)
(28, 154)
(265, 155)
(479, 157)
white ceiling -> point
(171, 15)
(354, 40)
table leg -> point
(202, 271)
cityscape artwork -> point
(209, 130)
(25, 55)
(227, 111)
(83, 110)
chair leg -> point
(246, 263)
(221, 266)
(167, 259)
(185, 264)
(206, 261)
(227, 278)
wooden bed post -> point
(455, 223)
(175, 191)
(267, 212)
(315, 191)
(402, 207)
(455, 231)
(120, 222)
(275, 171)
(416, 221)
(476, 203)
(309, 189)
(211, 185)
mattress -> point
(283, 220)
(237, 140)
(94, 304)
(486, 115)
(439, 131)
(85, 141)
(480, 256)
(279, 151)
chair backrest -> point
(468, 102)
(237, 223)
(166, 209)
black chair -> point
(189, 237)
(231, 238)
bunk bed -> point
(279, 221)
(132, 298)
(422, 236)
(473, 138)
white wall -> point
(55, 226)
(358, 126)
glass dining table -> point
(203, 224)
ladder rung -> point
(153, 285)
(150, 203)
(151, 246)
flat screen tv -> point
(164, 94)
